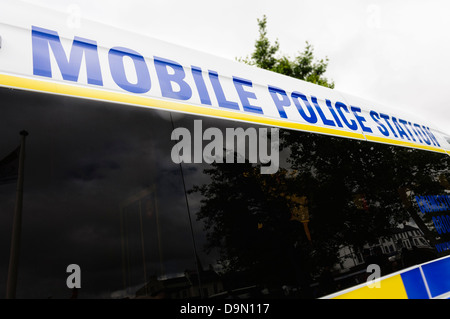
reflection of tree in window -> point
(355, 196)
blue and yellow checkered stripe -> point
(425, 281)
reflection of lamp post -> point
(143, 197)
(11, 283)
(300, 212)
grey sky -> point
(393, 52)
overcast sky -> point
(395, 52)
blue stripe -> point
(414, 285)
(437, 275)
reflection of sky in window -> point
(83, 160)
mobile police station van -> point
(163, 172)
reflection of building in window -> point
(185, 286)
(409, 237)
(406, 237)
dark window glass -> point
(102, 191)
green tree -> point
(303, 66)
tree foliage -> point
(303, 66)
(354, 192)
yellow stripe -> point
(44, 86)
(403, 143)
(390, 288)
(71, 90)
